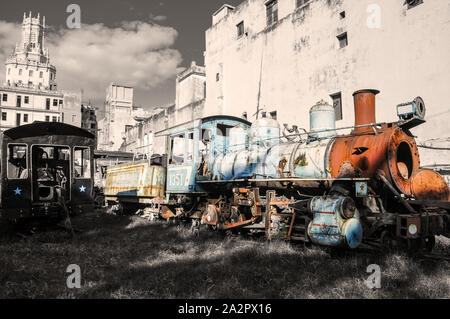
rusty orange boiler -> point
(388, 148)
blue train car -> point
(193, 149)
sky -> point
(139, 43)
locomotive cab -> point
(196, 149)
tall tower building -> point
(29, 64)
(29, 92)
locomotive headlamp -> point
(412, 229)
(415, 109)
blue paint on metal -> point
(330, 227)
(353, 233)
(264, 133)
(322, 120)
(361, 189)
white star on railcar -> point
(82, 189)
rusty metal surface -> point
(364, 101)
(429, 185)
(135, 180)
(391, 150)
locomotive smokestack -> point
(364, 109)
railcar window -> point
(190, 147)
(177, 149)
(17, 162)
(81, 162)
(223, 129)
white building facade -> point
(30, 90)
(120, 114)
(286, 55)
(142, 140)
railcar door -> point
(18, 194)
(82, 186)
(50, 172)
(182, 158)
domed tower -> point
(29, 64)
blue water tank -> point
(322, 120)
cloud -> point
(9, 36)
(135, 53)
(158, 18)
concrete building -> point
(29, 65)
(89, 118)
(20, 105)
(286, 55)
(30, 90)
(120, 114)
(141, 140)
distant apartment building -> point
(285, 55)
(30, 90)
(141, 139)
(120, 114)
(21, 106)
(89, 118)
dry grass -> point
(128, 257)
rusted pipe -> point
(381, 176)
(364, 102)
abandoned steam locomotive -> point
(317, 186)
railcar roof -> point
(203, 120)
(46, 128)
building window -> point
(9, 71)
(26, 100)
(41, 74)
(240, 29)
(301, 3)
(81, 162)
(217, 77)
(54, 119)
(4, 116)
(60, 102)
(92, 126)
(5, 98)
(342, 15)
(337, 104)
(25, 118)
(343, 40)
(20, 71)
(413, 3)
(30, 73)
(47, 104)
(272, 12)
(47, 118)
(19, 101)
